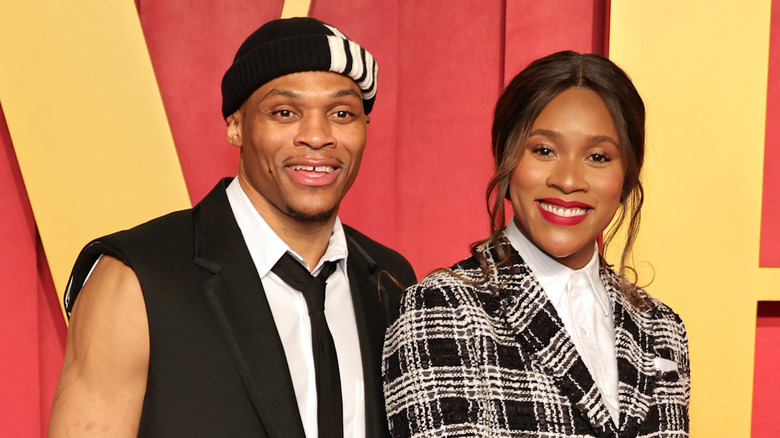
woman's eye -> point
(600, 158)
(543, 151)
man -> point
(188, 325)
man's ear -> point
(233, 129)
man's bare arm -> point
(103, 380)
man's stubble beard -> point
(320, 217)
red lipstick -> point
(560, 212)
(566, 204)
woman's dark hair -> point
(516, 110)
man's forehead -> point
(301, 84)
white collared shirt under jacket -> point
(291, 315)
(582, 303)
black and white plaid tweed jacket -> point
(462, 361)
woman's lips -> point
(566, 204)
(560, 212)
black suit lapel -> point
(371, 322)
(235, 295)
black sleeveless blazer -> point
(216, 363)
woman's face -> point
(567, 185)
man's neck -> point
(307, 238)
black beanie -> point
(293, 45)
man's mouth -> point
(313, 175)
(323, 169)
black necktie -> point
(326, 365)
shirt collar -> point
(554, 276)
(265, 246)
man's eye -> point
(343, 114)
(283, 113)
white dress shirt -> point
(582, 303)
(291, 315)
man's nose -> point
(314, 131)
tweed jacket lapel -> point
(235, 294)
(635, 351)
(541, 332)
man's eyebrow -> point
(347, 92)
(280, 92)
(294, 94)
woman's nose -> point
(568, 175)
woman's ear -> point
(233, 129)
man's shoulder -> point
(171, 236)
(160, 224)
(166, 228)
(151, 237)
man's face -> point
(302, 137)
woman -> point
(534, 334)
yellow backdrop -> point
(701, 67)
(85, 117)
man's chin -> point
(312, 216)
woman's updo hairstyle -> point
(521, 103)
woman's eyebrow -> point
(593, 139)
(603, 139)
(545, 132)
